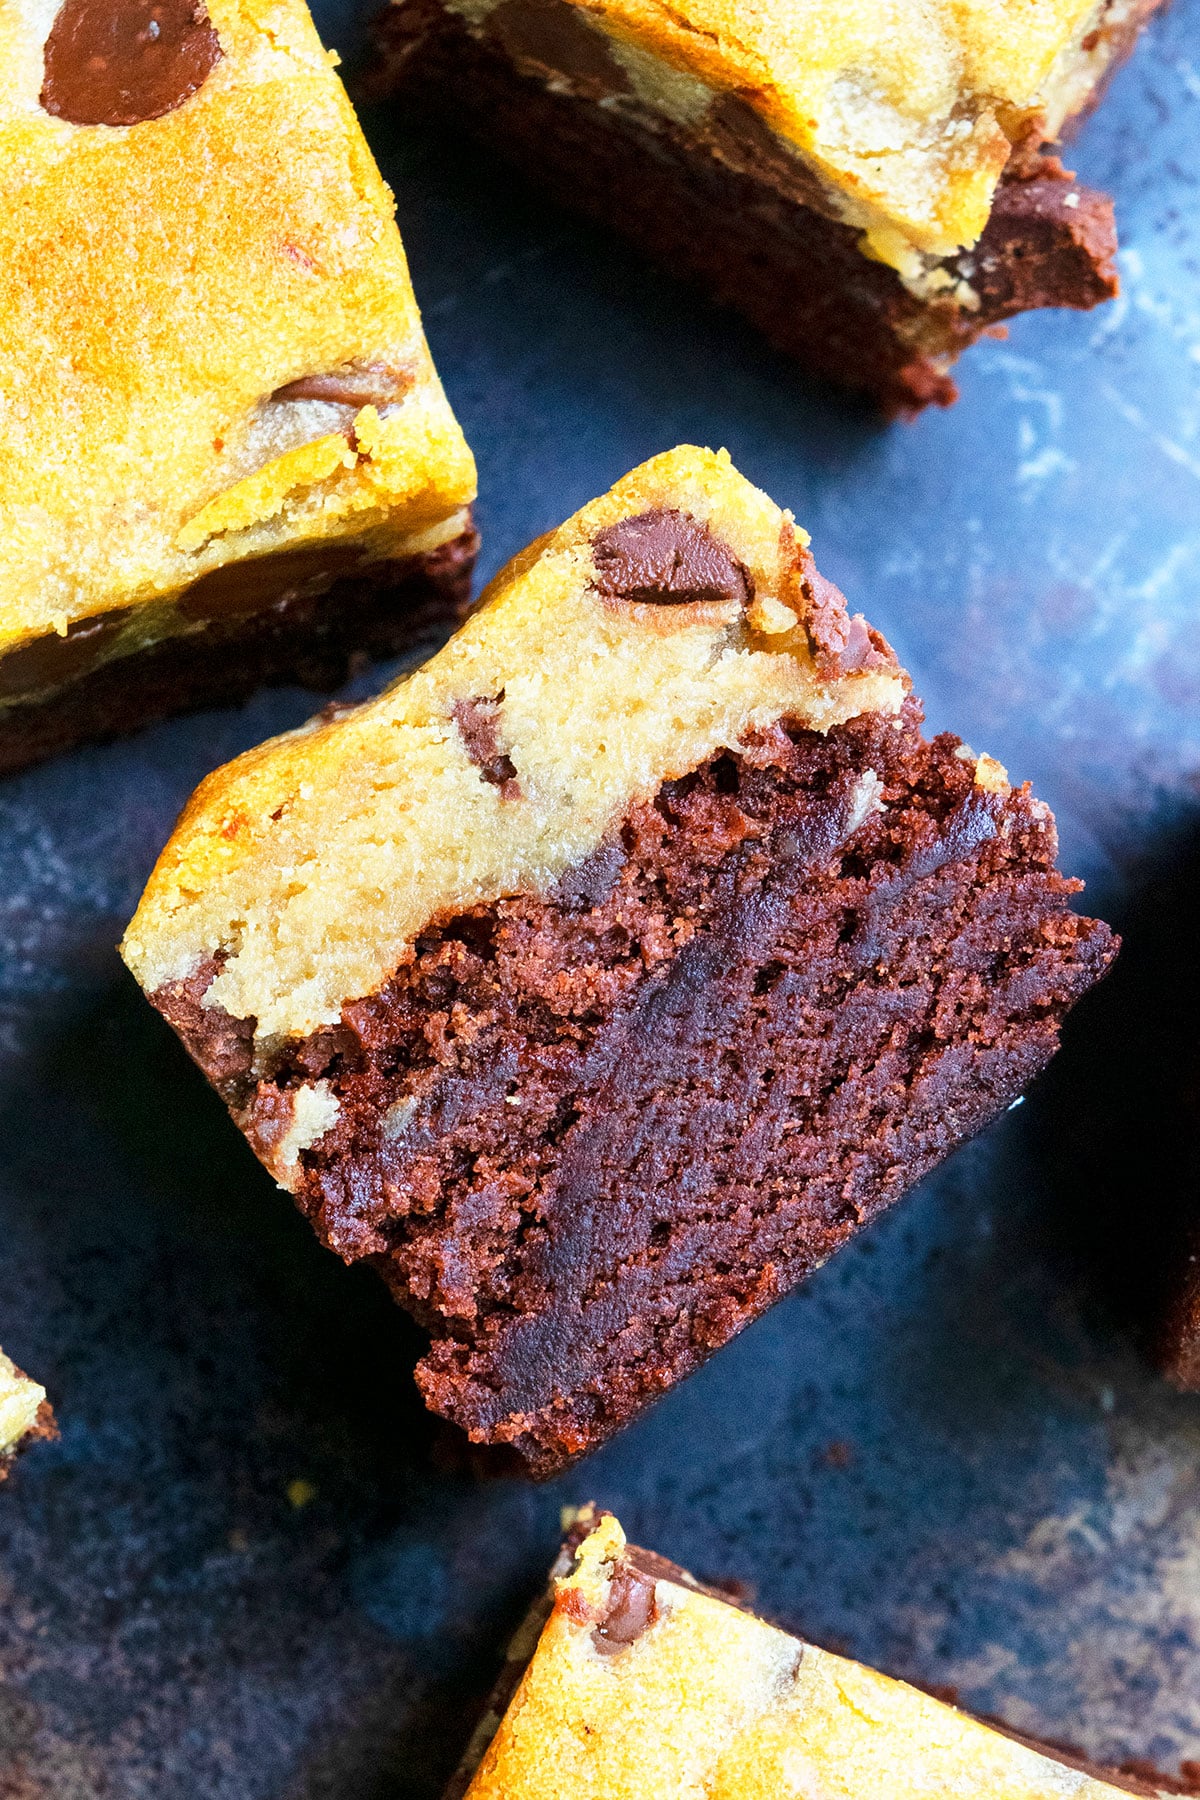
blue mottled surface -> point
(946, 1453)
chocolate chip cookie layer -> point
(633, 1679)
(227, 455)
(600, 979)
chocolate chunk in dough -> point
(843, 643)
(476, 719)
(357, 384)
(120, 62)
(632, 1609)
(666, 558)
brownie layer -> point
(587, 1138)
(293, 617)
(795, 273)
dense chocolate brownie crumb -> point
(666, 558)
(586, 1137)
(1048, 243)
(290, 617)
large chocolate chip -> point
(119, 62)
(356, 384)
(632, 1609)
(666, 558)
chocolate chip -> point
(590, 882)
(119, 62)
(356, 384)
(842, 643)
(477, 719)
(666, 558)
(632, 1609)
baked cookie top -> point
(908, 109)
(209, 345)
(677, 615)
(644, 1684)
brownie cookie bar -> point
(227, 456)
(867, 183)
(599, 980)
(24, 1413)
(633, 1679)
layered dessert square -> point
(599, 980)
(633, 1679)
(24, 1413)
(227, 455)
(872, 185)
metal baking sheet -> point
(253, 1569)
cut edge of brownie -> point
(268, 627)
(780, 994)
(1136, 1775)
(797, 274)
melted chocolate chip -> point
(842, 643)
(476, 719)
(632, 1609)
(120, 62)
(590, 882)
(357, 384)
(666, 558)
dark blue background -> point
(945, 1454)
